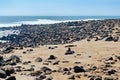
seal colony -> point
(79, 50)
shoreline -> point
(73, 50)
(67, 32)
(41, 22)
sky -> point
(59, 7)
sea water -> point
(10, 21)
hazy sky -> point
(60, 7)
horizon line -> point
(60, 15)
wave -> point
(40, 21)
(9, 25)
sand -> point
(92, 53)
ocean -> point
(10, 21)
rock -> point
(11, 78)
(118, 57)
(38, 59)
(9, 70)
(1, 58)
(24, 52)
(48, 72)
(49, 78)
(30, 49)
(2, 74)
(69, 51)
(98, 78)
(71, 77)
(56, 62)
(44, 69)
(66, 73)
(51, 47)
(14, 59)
(93, 68)
(110, 58)
(71, 46)
(111, 38)
(65, 61)
(109, 78)
(95, 78)
(36, 73)
(41, 77)
(8, 49)
(18, 68)
(112, 71)
(26, 62)
(65, 69)
(52, 57)
(78, 69)
(77, 62)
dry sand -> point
(92, 53)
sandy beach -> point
(86, 53)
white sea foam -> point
(47, 21)
(9, 25)
(40, 21)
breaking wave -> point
(38, 21)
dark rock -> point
(78, 69)
(9, 70)
(71, 46)
(95, 77)
(36, 73)
(65, 69)
(56, 63)
(111, 58)
(69, 51)
(2, 74)
(118, 57)
(8, 49)
(38, 59)
(1, 58)
(49, 78)
(44, 69)
(42, 77)
(26, 62)
(52, 57)
(65, 61)
(109, 78)
(31, 50)
(111, 38)
(93, 68)
(24, 52)
(112, 71)
(14, 58)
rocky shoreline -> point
(63, 33)
(81, 50)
